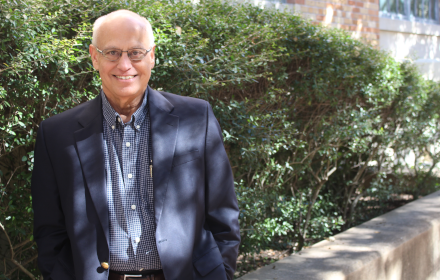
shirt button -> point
(137, 239)
(133, 207)
(127, 144)
(113, 127)
(119, 119)
(130, 176)
(138, 126)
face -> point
(123, 80)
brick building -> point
(359, 17)
(408, 29)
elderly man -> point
(134, 184)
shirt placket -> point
(130, 179)
(118, 195)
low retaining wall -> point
(403, 244)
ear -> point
(151, 57)
(94, 55)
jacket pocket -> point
(208, 262)
(190, 156)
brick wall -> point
(360, 17)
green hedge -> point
(313, 120)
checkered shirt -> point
(127, 151)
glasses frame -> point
(102, 53)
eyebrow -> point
(135, 47)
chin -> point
(129, 92)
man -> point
(134, 184)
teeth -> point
(125, 77)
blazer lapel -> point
(164, 128)
(89, 142)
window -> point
(420, 10)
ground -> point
(249, 263)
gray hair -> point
(97, 24)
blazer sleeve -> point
(54, 251)
(221, 202)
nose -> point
(124, 63)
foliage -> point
(44, 70)
(313, 120)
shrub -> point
(313, 120)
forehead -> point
(123, 32)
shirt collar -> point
(112, 117)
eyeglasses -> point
(115, 54)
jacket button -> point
(104, 265)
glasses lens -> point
(112, 54)
(136, 54)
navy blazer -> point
(196, 209)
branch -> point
(9, 240)
(23, 269)
(364, 167)
(315, 193)
(25, 263)
(331, 171)
(21, 244)
(12, 175)
(353, 206)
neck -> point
(125, 107)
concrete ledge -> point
(401, 245)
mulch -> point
(246, 264)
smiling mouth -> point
(125, 77)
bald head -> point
(124, 80)
(117, 18)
